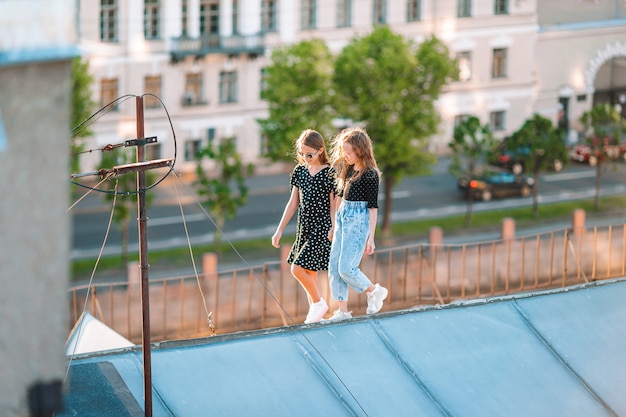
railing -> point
(216, 44)
(416, 275)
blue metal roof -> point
(554, 353)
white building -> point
(205, 60)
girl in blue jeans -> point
(355, 221)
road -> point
(414, 198)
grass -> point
(256, 251)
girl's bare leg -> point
(308, 280)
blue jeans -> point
(352, 223)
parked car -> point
(584, 153)
(513, 159)
(495, 184)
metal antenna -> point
(140, 167)
(142, 222)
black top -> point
(364, 188)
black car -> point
(513, 159)
(495, 184)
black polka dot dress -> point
(311, 248)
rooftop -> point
(549, 353)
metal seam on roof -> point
(560, 357)
(383, 336)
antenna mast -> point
(140, 167)
(142, 222)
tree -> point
(124, 190)
(543, 144)
(219, 196)
(390, 85)
(82, 108)
(298, 89)
(471, 145)
(604, 128)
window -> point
(379, 14)
(499, 63)
(413, 10)
(210, 134)
(263, 82)
(563, 114)
(184, 17)
(108, 20)
(460, 118)
(268, 16)
(192, 147)
(209, 17)
(581, 97)
(108, 92)
(193, 89)
(497, 120)
(264, 145)
(153, 151)
(228, 87)
(235, 17)
(501, 7)
(464, 8)
(464, 60)
(308, 14)
(344, 13)
(152, 85)
(151, 12)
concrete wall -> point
(36, 48)
(35, 238)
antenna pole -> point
(142, 222)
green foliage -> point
(471, 145)
(82, 108)
(604, 128)
(603, 121)
(542, 141)
(220, 198)
(299, 94)
(381, 81)
(542, 144)
(123, 189)
(126, 201)
(390, 85)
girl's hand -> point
(370, 246)
(330, 234)
(276, 239)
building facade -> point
(205, 59)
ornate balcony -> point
(215, 44)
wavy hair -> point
(363, 150)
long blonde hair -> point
(363, 150)
(315, 140)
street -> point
(414, 198)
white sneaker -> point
(316, 311)
(375, 299)
(338, 315)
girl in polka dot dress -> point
(312, 191)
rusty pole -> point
(142, 221)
